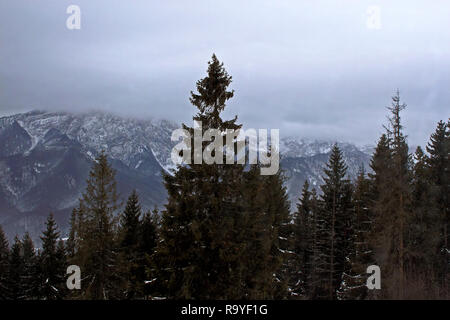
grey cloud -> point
(310, 68)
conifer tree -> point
(262, 238)
(30, 272)
(253, 234)
(335, 229)
(148, 234)
(4, 266)
(315, 262)
(74, 241)
(206, 230)
(197, 227)
(62, 263)
(353, 284)
(52, 262)
(280, 230)
(392, 214)
(401, 197)
(439, 174)
(129, 222)
(96, 252)
(380, 164)
(148, 240)
(423, 227)
(301, 240)
(421, 186)
(129, 230)
(380, 181)
(16, 266)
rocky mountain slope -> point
(304, 159)
(45, 158)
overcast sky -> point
(310, 68)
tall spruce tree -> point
(96, 227)
(30, 269)
(400, 196)
(148, 240)
(129, 222)
(74, 240)
(380, 164)
(16, 266)
(198, 244)
(52, 262)
(353, 284)
(315, 262)
(253, 234)
(148, 234)
(439, 175)
(335, 229)
(423, 226)
(130, 254)
(280, 234)
(422, 234)
(380, 181)
(392, 204)
(62, 263)
(301, 241)
(206, 231)
(4, 266)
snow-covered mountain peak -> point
(296, 147)
(122, 138)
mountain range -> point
(45, 158)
